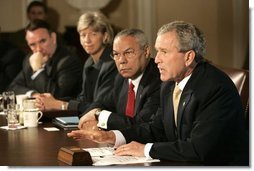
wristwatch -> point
(97, 114)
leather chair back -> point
(241, 79)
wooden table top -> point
(38, 147)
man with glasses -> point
(135, 96)
(51, 68)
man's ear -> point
(189, 57)
(53, 35)
(147, 51)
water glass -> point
(8, 98)
(1, 103)
(12, 117)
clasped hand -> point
(45, 101)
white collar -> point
(136, 82)
(182, 83)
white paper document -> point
(51, 129)
(103, 156)
(100, 152)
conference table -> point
(39, 147)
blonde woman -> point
(96, 36)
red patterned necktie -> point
(131, 101)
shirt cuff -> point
(37, 73)
(103, 119)
(29, 93)
(120, 140)
(147, 149)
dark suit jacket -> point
(104, 82)
(146, 102)
(210, 122)
(11, 59)
(61, 77)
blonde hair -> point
(98, 22)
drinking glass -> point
(8, 98)
(1, 103)
(12, 116)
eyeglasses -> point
(128, 54)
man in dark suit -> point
(131, 53)
(51, 68)
(207, 127)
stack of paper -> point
(104, 156)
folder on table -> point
(67, 122)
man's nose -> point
(38, 48)
(122, 59)
(156, 59)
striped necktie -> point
(176, 97)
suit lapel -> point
(48, 68)
(143, 82)
(123, 96)
(88, 63)
(184, 100)
(56, 60)
(169, 122)
(187, 94)
(138, 96)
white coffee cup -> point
(31, 117)
(29, 104)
